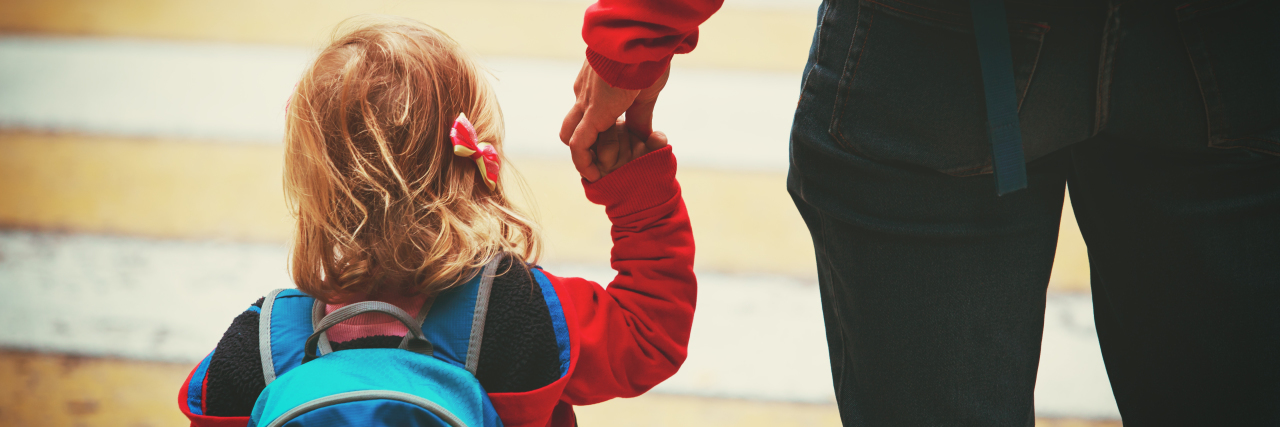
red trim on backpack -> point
(205, 420)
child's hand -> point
(617, 146)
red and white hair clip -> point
(465, 144)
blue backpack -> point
(428, 381)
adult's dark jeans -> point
(1163, 119)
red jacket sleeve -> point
(635, 333)
(630, 42)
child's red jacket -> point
(623, 339)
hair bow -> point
(465, 145)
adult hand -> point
(597, 109)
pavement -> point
(141, 209)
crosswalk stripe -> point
(771, 38)
(56, 389)
(194, 190)
(65, 293)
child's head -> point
(383, 205)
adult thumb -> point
(640, 118)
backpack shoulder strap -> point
(283, 327)
(455, 322)
(481, 311)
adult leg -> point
(1184, 239)
(930, 326)
(933, 288)
(1184, 248)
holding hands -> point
(596, 111)
(617, 146)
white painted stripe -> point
(129, 297)
(237, 93)
(147, 88)
(755, 337)
(1072, 381)
(779, 5)
(718, 118)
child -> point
(389, 210)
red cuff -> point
(627, 76)
(639, 185)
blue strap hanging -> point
(995, 54)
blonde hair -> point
(382, 203)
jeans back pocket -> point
(911, 88)
(1234, 47)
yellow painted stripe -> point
(1071, 263)
(143, 187)
(750, 38)
(58, 390)
(743, 222)
(54, 390)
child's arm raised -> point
(634, 334)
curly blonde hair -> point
(383, 205)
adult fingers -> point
(640, 117)
(570, 123)
(608, 149)
(579, 105)
(584, 136)
(589, 123)
(640, 112)
(593, 121)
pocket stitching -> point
(1221, 130)
(1221, 144)
(847, 84)
(919, 6)
(1206, 80)
(817, 55)
(916, 14)
(961, 25)
(849, 74)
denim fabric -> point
(1163, 119)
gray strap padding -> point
(481, 310)
(264, 336)
(355, 396)
(419, 319)
(419, 343)
(317, 313)
(342, 314)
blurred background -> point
(141, 206)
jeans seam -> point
(919, 6)
(1110, 44)
(913, 14)
(1222, 145)
(835, 116)
(1031, 75)
(817, 51)
(837, 380)
(1206, 81)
